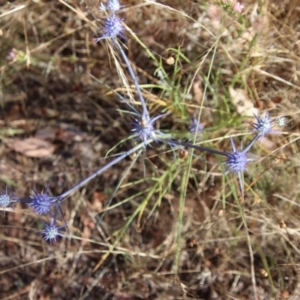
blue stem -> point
(205, 149)
(102, 169)
(252, 143)
(145, 115)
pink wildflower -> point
(12, 54)
(238, 7)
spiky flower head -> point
(196, 126)
(42, 203)
(237, 161)
(112, 5)
(7, 198)
(145, 130)
(4, 200)
(263, 125)
(51, 231)
(112, 28)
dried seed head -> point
(221, 213)
(170, 60)
(282, 224)
(183, 154)
(263, 272)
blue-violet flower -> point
(113, 28)
(113, 5)
(237, 161)
(145, 130)
(4, 200)
(196, 126)
(42, 203)
(51, 231)
(7, 199)
(263, 125)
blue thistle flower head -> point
(196, 125)
(42, 203)
(263, 125)
(4, 200)
(112, 28)
(237, 161)
(113, 5)
(51, 231)
(7, 199)
(145, 130)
